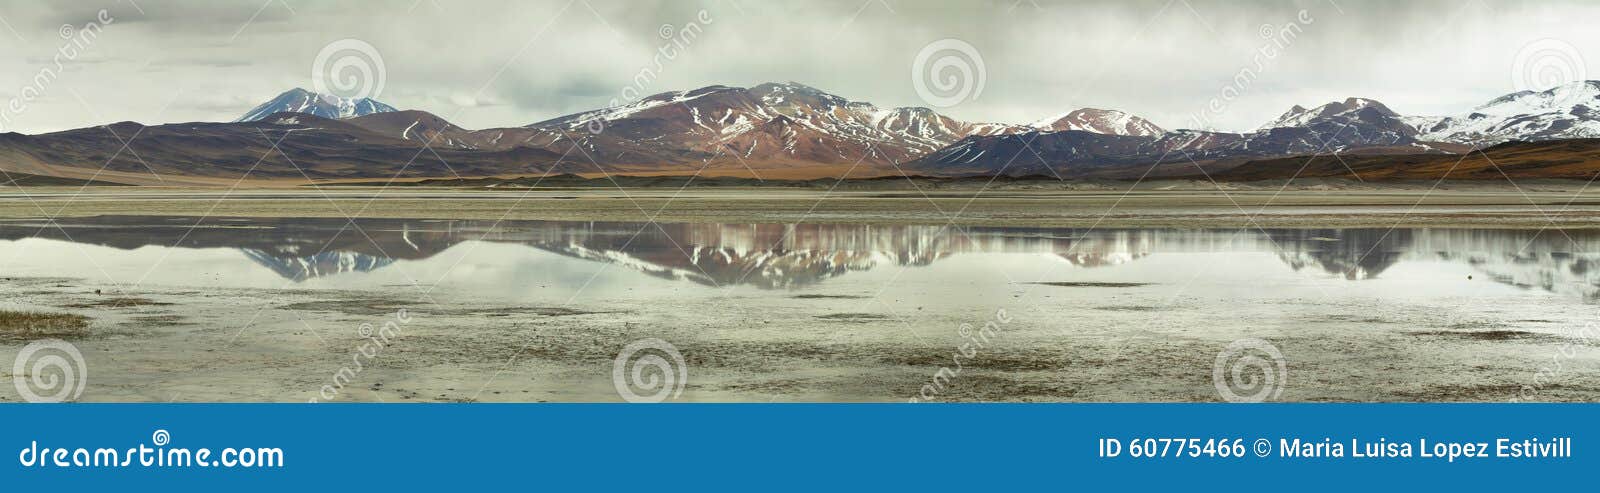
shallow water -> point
(542, 259)
(831, 312)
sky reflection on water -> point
(643, 261)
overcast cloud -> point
(507, 63)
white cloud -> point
(506, 63)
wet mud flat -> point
(1073, 343)
(455, 296)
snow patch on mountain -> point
(786, 121)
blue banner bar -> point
(986, 447)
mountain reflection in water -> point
(776, 256)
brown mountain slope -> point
(8, 179)
(285, 146)
(1569, 159)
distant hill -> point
(1568, 159)
(791, 131)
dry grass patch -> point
(22, 325)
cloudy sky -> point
(505, 63)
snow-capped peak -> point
(1299, 116)
(1568, 111)
(794, 93)
(1560, 97)
(324, 105)
(1110, 122)
(782, 122)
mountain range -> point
(793, 131)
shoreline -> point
(1496, 208)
